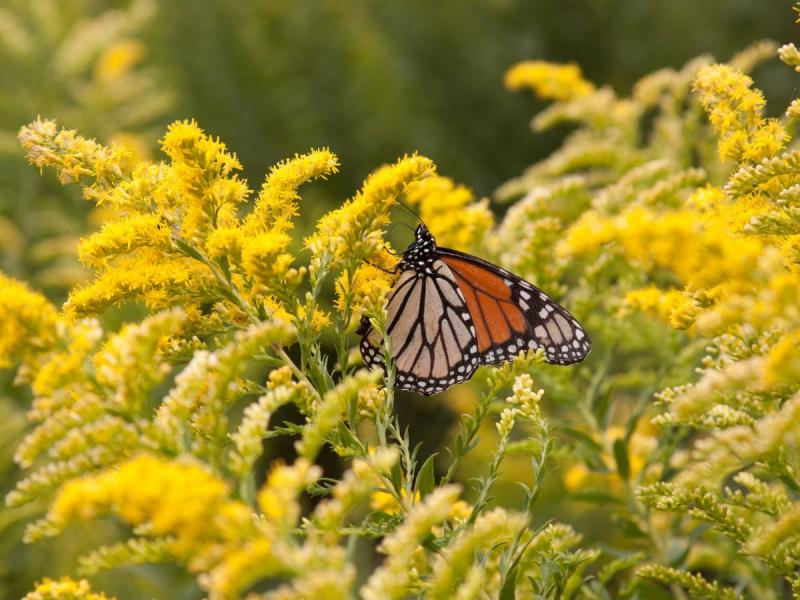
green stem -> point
(229, 290)
(466, 435)
(287, 360)
(226, 285)
(488, 483)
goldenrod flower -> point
(27, 322)
(278, 498)
(64, 589)
(159, 282)
(356, 484)
(240, 568)
(123, 236)
(180, 498)
(490, 531)
(73, 156)
(276, 204)
(735, 110)
(392, 579)
(364, 290)
(118, 59)
(549, 81)
(329, 411)
(450, 212)
(353, 231)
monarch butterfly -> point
(450, 312)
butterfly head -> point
(422, 250)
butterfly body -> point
(450, 312)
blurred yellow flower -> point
(181, 498)
(64, 589)
(450, 212)
(27, 322)
(549, 81)
(118, 59)
(388, 503)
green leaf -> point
(582, 436)
(426, 480)
(509, 585)
(621, 456)
(596, 497)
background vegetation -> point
(373, 81)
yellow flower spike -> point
(63, 367)
(352, 232)
(248, 439)
(282, 376)
(239, 568)
(226, 242)
(371, 400)
(176, 498)
(356, 485)
(330, 410)
(492, 530)
(28, 322)
(278, 499)
(130, 362)
(188, 146)
(74, 157)
(123, 236)
(735, 111)
(367, 289)
(64, 589)
(450, 212)
(204, 179)
(276, 204)
(159, 282)
(549, 81)
(266, 260)
(392, 578)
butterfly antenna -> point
(388, 231)
(410, 211)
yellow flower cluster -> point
(182, 499)
(735, 110)
(278, 498)
(27, 322)
(549, 81)
(393, 578)
(364, 290)
(64, 589)
(73, 157)
(354, 230)
(118, 59)
(451, 213)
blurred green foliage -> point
(376, 79)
